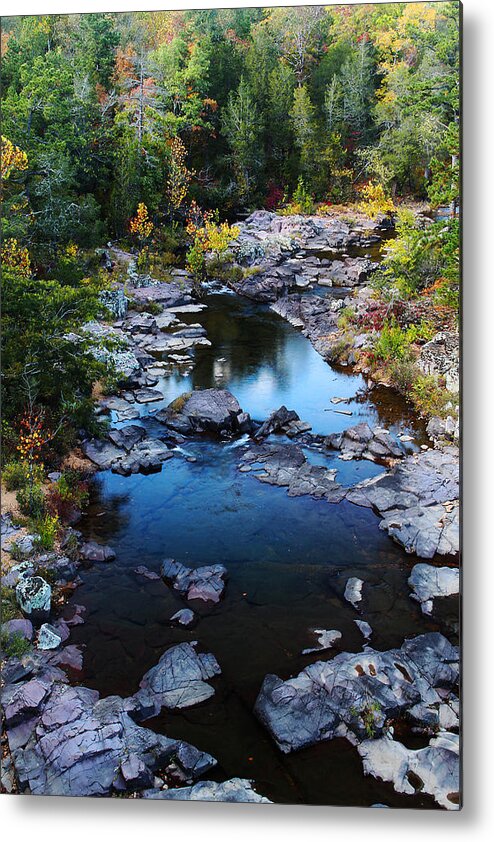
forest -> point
(223, 110)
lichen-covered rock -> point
(49, 637)
(441, 357)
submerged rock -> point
(206, 583)
(429, 582)
(237, 790)
(91, 551)
(285, 465)
(325, 638)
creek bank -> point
(65, 740)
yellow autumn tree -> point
(140, 225)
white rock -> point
(353, 591)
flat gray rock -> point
(87, 746)
(434, 769)
(179, 679)
(147, 395)
(237, 790)
(428, 582)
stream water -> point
(288, 560)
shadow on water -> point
(288, 561)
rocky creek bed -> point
(250, 502)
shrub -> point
(302, 201)
(31, 501)
(10, 608)
(15, 475)
(47, 528)
(374, 201)
(402, 374)
(14, 645)
(428, 397)
(274, 196)
(392, 343)
(346, 318)
(67, 496)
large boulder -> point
(206, 411)
(86, 746)
(179, 680)
(354, 694)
